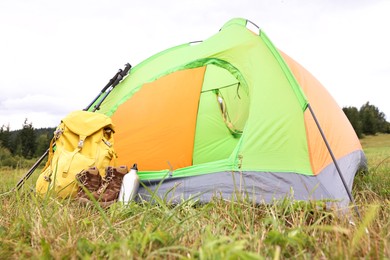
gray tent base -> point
(261, 187)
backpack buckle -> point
(57, 133)
(80, 144)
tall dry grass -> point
(45, 229)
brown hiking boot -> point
(89, 179)
(109, 190)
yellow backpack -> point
(82, 140)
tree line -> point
(29, 143)
(24, 144)
(368, 120)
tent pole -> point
(334, 161)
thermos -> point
(129, 186)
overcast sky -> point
(56, 56)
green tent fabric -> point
(231, 112)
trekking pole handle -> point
(119, 76)
(127, 69)
(121, 73)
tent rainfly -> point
(233, 115)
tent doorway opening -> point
(222, 115)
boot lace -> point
(106, 181)
(81, 178)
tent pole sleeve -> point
(334, 160)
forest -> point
(18, 147)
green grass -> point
(47, 229)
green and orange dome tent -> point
(232, 114)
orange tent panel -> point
(156, 126)
(338, 131)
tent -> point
(232, 115)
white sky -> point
(56, 56)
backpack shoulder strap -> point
(57, 133)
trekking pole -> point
(108, 88)
(105, 92)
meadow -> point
(52, 229)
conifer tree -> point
(5, 137)
(26, 140)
